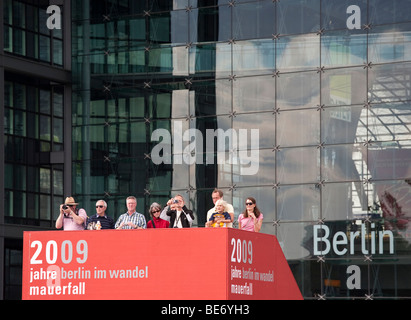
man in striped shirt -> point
(131, 219)
(106, 222)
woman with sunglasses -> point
(251, 219)
(156, 221)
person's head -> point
(101, 207)
(179, 201)
(131, 203)
(155, 210)
(71, 203)
(221, 206)
(251, 206)
(217, 194)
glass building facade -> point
(326, 86)
(35, 104)
(303, 105)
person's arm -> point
(142, 224)
(230, 210)
(119, 223)
(240, 217)
(258, 223)
(188, 212)
(76, 218)
(210, 222)
(163, 214)
(227, 217)
(59, 221)
(219, 220)
(189, 215)
(82, 216)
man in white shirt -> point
(217, 194)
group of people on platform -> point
(174, 215)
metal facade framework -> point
(331, 103)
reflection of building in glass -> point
(332, 107)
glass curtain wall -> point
(303, 105)
(33, 128)
(26, 34)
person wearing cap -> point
(70, 217)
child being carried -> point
(221, 217)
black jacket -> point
(184, 221)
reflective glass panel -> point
(390, 124)
(296, 240)
(20, 121)
(211, 97)
(298, 165)
(301, 52)
(298, 203)
(335, 16)
(253, 57)
(298, 128)
(344, 201)
(254, 94)
(389, 83)
(344, 86)
(254, 20)
(256, 167)
(343, 124)
(298, 90)
(344, 162)
(343, 48)
(383, 12)
(258, 128)
(391, 162)
(297, 16)
(178, 24)
(390, 43)
(391, 200)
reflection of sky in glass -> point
(300, 52)
(334, 149)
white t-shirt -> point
(177, 221)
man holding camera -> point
(70, 217)
(178, 214)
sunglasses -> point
(99, 206)
(249, 203)
(154, 211)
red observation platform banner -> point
(162, 264)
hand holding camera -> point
(65, 209)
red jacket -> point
(159, 223)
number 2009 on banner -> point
(242, 251)
(66, 252)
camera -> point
(175, 201)
(65, 207)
